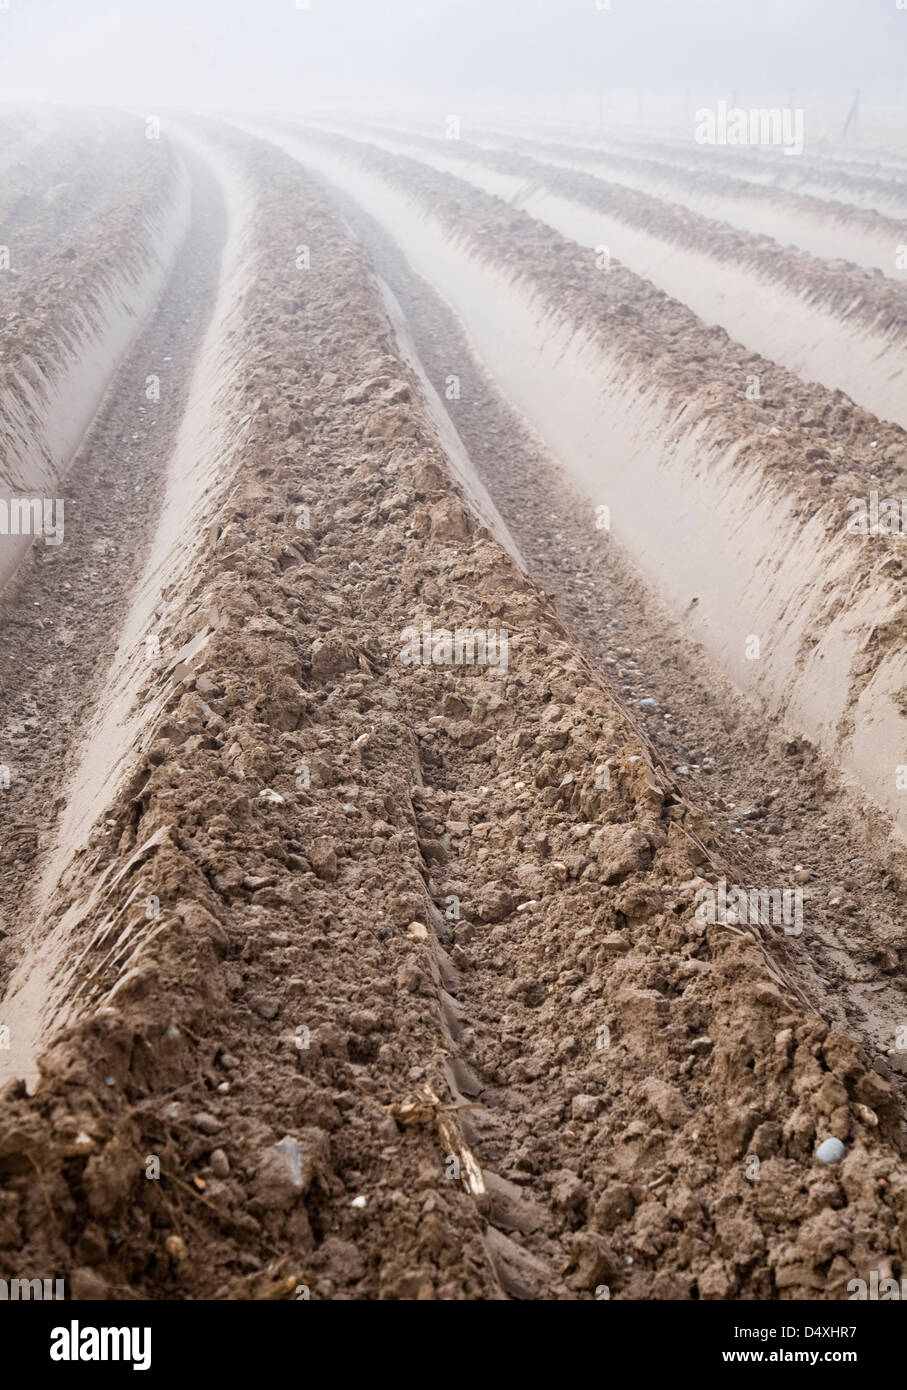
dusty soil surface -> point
(798, 450)
(775, 808)
(84, 173)
(869, 179)
(864, 295)
(60, 176)
(852, 222)
(817, 438)
(690, 171)
(61, 616)
(425, 1010)
(72, 298)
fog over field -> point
(295, 54)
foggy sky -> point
(269, 54)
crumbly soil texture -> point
(385, 973)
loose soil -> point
(391, 982)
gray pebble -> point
(207, 1123)
(220, 1164)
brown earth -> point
(426, 1011)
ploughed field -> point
(452, 709)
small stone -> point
(220, 1164)
(584, 1107)
(830, 1151)
(207, 1123)
(286, 1169)
(280, 1175)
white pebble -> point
(830, 1151)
